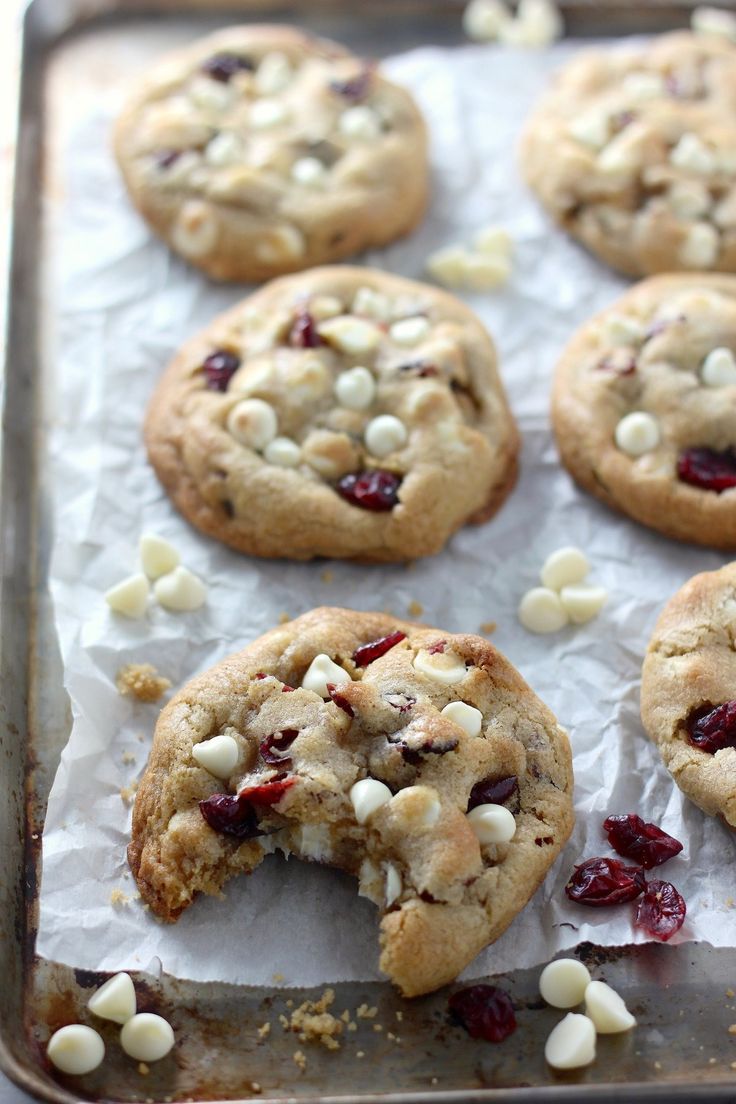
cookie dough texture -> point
(646, 353)
(442, 895)
(458, 459)
(690, 662)
(633, 152)
(261, 150)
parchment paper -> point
(125, 304)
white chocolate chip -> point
(158, 557)
(384, 434)
(283, 452)
(689, 199)
(181, 590)
(323, 307)
(538, 23)
(445, 667)
(282, 243)
(367, 796)
(315, 842)
(322, 671)
(219, 755)
(495, 241)
(393, 884)
(565, 565)
(265, 114)
(591, 128)
(76, 1049)
(372, 303)
(409, 331)
(309, 171)
(483, 19)
(724, 214)
(692, 155)
(115, 1000)
(355, 389)
(360, 122)
(483, 272)
(466, 716)
(640, 85)
(622, 329)
(607, 1009)
(492, 823)
(719, 368)
(448, 265)
(195, 231)
(571, 1044)
(541, 611)
(637, 433)
(350, 335)
(309, 378)
(253, 423)
(714, 21)
(583, 601)
(701, 246)
(417, 806)
(130, 597)
(563, 983)
(210, 95)
(147, 1037)
(224, 149)
(273, 74)
(619, 157)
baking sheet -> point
(124, 305)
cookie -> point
(644, 407)
(688, 690)
(633, 152)
(343, 412)
(416, 760)
(261, 150)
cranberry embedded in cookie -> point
(430, 790)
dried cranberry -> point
(661, 911)
(599, 882)
(708, 469)
(367, 653)
(421, 368)
(267, 793)
(221, 67)
(618, 365)
(286, 689)
(355, 88)
(280, 741)
(231, 816)
(485, 1011)
(303, 333)
(371, 490)
(339, 699)
(219, 368)
(493, 791)
(635, 839)
(712, 728)
(166, 158)
(413, 753)
(437, 648)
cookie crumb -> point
(733, 1065)
(118, 899)
(360, 1054)
(327, 576)
(277, 977)
(264, 1030)
(143, 1068)
(128, 793)
(284, 1022)
(415, 609)
(128, 758)
(255, 1087)
(400, 1016)
(352, 1026)
(730, 993)
(658, 1065)
(300, 1059)
(488, 627)
(284, 617)
(378, 1027)
(729, 902)
(366, 1013)
(141, 681)
(732, 1029)
(345, 1016)
(315, 1023)
(712, 1061)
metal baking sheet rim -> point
(23, 598)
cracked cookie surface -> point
(262, 150)
(430, 725)
(633, 152)
(688, 690)
(341, 412)
(644, 407)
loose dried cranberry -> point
(635, 839)
(599, 882)
(371, 490)
(219, 368)
(661, 911)
(355, 88)
(280, 741)
(402, 702)
(708, 469)
(493, 791)
(340, 700)
(437, 648)
(485, 1011)
(166, 158)
(230, 815)
(267, 793)
(303, 333)
(712, 728)
(367, 653)
(221, 67)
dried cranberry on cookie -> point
(261, 150)
(644, 407)
(341, 412)
(418, 761)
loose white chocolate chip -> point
(322, 671)
(115, 1000)
(283, 452)
(448, 265)
(219, 755)
(158, 557)
(444, 667)
(693, 155)
(393, 884)
(483, 272)
(129, 597)
(196, 230)
(224, 149)
(75, 1049)
(607, 1009)
(495, 241)
(719, 368)
(253, 423)
(483, 19)
(265, 114)
(564, 566)
(591, 128)
(538, 23)
(689, 199)
(571, 1044)
(701, 246)
(714, 21)
(309, 171)
(468, 717)
(622, 329)
(541, 611)
(147, 1037)
(637, 433)
(360, 122)
(583, 601)
(355, 389)
(350, 335)
(417, 806)
(492, 823)
(640, 86)
(181, 590)
(273, 74)
(563, 983)
(367, 796)
(384, 434)
(409, 331)
(372, 303)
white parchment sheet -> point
(125, 304)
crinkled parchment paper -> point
(125, 304)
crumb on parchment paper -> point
(415, 609)
(141, 681)
(128, 793)
(314, 1023)
(300, 1059)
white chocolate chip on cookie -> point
(492, 823)
(563, 982)
(541, 611)
(701, 246)
(224, 149)
(393, 884)
(374, 304)
(689, 199)
(622, 329)
(466, 716)
(219, 755)
(418, 807)
(321, 672)
(367, 796)
(360, 122)
(309, 171)
(442, 666)
(409, 331)
(181, 590)
(283, 452)
(253, 423)
(384, 434)
(355, 388)
(591, 128)
(692, 154)
(273, 74)
(265, 114)
(637, 433)
(281, 244)
(350, 335)
(196, 230)
(719, 368)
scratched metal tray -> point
(681, 1048)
